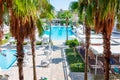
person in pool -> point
(2, 53)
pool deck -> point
(53, 72)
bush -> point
(38, 43)
(67, 42)
(77, 67)
(72, 43)
(76, 63)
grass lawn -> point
(76, 63)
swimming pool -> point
(59, 32)
(7, 58)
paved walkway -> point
(53, 72)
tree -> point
(63, 14)
(105, 11)
(2, 10)
(85, 14)
(118, 20)
(49, 14)
(67, 20)
(72, 44)
(22, 25)
(73, 6)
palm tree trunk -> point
(66, 32)
(50, 33)
(1, 18)
(50, 40)
(74, 52)
(107, 53)
(87, 32)
(33, 55)
(67, 28)
(20, 56)
(1, 11)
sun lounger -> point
(4, 77)
(45, 63)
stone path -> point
(53, 72)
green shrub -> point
(67, 42)
(38, 43)
(72, 43)
(76, 63)
(77, 67)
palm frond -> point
(89, 15)
(40, 28)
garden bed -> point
(76, 64)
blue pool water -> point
(7, 59)
(59, 32)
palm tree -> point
(104, 21)
(48, 14)
(118, 20)
(1, 18)
(32, 39)
(73, 6)
(67, 28)
(67, 16)
(16, 22)
(22, 25)
(85, 10)
(40, 29)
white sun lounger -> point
(45, 63)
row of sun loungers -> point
(97, 43)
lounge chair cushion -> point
(116, 70)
